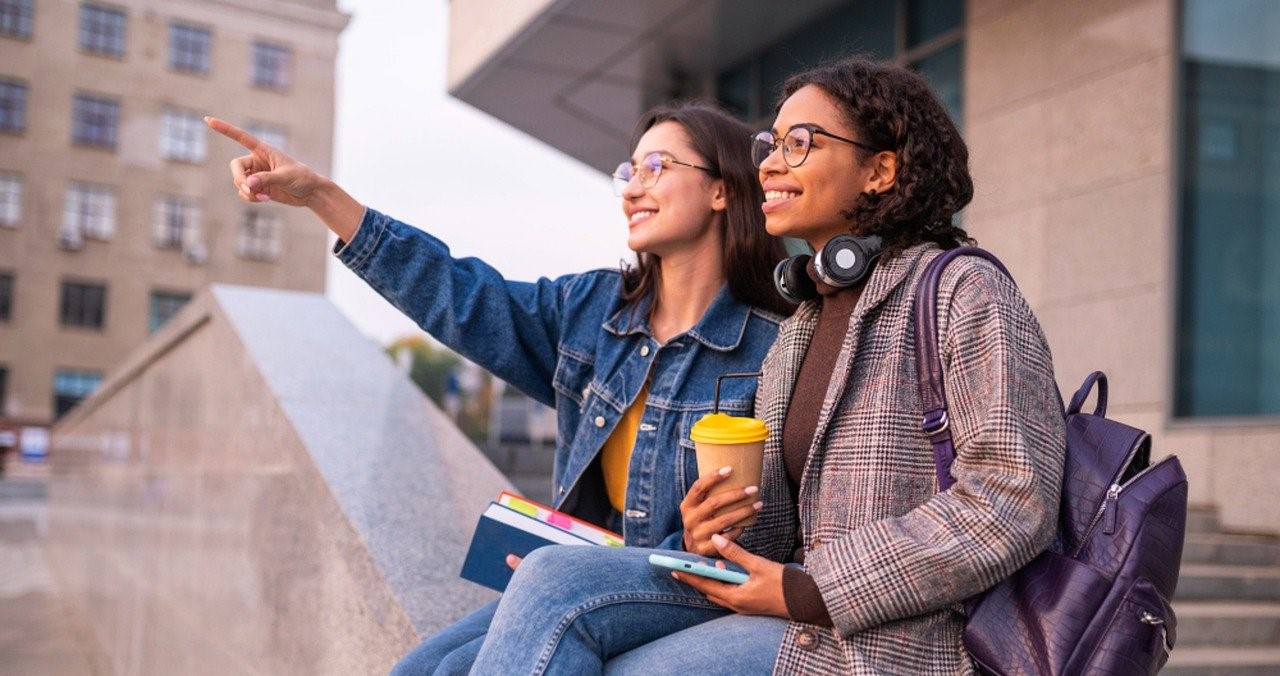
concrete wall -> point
(259, 491)
(1071, 113)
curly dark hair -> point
(749, 252)
(893, 109)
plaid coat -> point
(892, 557)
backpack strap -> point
(936, 425)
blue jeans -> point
(592, 610)
(450, 652)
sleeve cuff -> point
(804, 601)
(364, 241)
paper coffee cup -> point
(722, 440)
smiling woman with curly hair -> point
(857, 563)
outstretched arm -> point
(267, 174)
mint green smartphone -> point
(697, 568)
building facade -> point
(1126, 155)
(115, 204)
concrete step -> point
(1215, 582)
(1231, 549)
(1210, 623)
(1223, 661)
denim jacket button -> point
(644, 351)
(586, 392)
(807, 640)
(599, 421)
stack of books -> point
(517, 525)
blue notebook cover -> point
(501, 531)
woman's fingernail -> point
(751, 490)
(724, 471)
(758, 506)
(263, 197)
(719, 540)
(244, 189)
(254, 181)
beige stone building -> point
(1126, 155)
(115, 206)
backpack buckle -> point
(935, 422)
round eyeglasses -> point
(648, 169)
(795, 145)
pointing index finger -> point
(244, 138)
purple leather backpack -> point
(1097, 601)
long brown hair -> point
(893, 109)
(749, 253)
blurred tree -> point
(431, 367)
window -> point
(182, 136)
(177, 224)
(15, 20)
(71, 386)
(13, 106)
(164, 305)
(95, 121)
(925, 35)
(84, 305)
(189, 48)
(259, 236)
(1228, 303)
(271, 65)
(10, 199)
(6, 296)
(273, 134)
(89, 211)
(102, 30)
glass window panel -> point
(6, 296)
(102, 30)
(182, 136)
(260, 236)
(13, 106)
(944, 70)
(84, 305)
(89, 211)
(1228, 311)
(189, 48)
(927, 19)
(16, 18)
(71, 386)
(176, 224)
(10, 199)
(164, 305)
(271, 65)
(95, 121)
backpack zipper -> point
(1113, 496)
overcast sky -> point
(500, 195)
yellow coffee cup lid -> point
(720, 428)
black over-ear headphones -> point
(843, 261)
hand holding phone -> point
(697, 568)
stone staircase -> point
(1227, 602)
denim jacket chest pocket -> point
(572, 383)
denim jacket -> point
(571, 343)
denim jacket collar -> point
(720, 328)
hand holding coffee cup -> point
(722, 440)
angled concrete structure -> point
(259, 490)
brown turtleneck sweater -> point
(804, 601)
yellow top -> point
(615, 457)
(720, 428)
